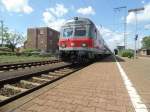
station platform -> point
(138, 72)
(98, 87)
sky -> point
(19, 15)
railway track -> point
(16, 87)
(8, 66)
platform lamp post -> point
(136, 25)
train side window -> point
(93, 32)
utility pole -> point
(136, 28)
(125, 23)
(2, 28)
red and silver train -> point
(80, 40)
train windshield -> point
(68, 32)
(80, 31)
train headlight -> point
(84, 45)
(72, 44)
(63, 45)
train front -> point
(75, 43)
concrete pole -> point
(135, 55)
(125, 27)
(125, 40)
(2, 28)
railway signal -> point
(135, 51)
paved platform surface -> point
(96, 88)
(138, 71)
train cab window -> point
(67, 32)
(80, 31)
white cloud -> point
(48, 17)
(27, 9)
(143, 2)
(59, 10)
(57, 24)
(112, 38)
(115, 38)
(53, 17)
(17, 6)
(131, 17)
(142, 16)
(86, 11)
(147, 27)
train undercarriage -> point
(79, 56)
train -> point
(81, 41)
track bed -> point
(18, 84)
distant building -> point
(144, 52)
(120, 48)
(43, 38)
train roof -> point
(79, 20)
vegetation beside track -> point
(126, 53)
(6, 56)
(14, 58)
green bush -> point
(31, 50)
(127, 53)
(5, 49)
(27, 53)
(7, 53)
(45, 54)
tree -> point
(13, 40)
(146, 42)
(5, 34)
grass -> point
(9, 59)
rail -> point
(6, 66)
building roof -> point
(45, 28)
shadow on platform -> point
(111, 59)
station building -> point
(144, 52)
(42, 38)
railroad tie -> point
(52, 73)
(28, 82)
(48, 76)
(40, 79)
(8, 86)
(59, 72)
(66, 71)
(3, 97)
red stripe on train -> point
(77, 42)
